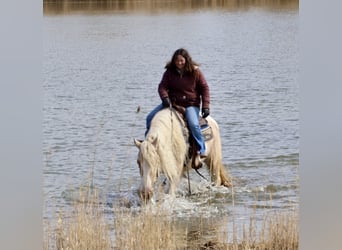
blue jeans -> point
(192, 117)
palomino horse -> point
(166, 149)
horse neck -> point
(167, 135)
(167, 120)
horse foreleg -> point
(171, 190)
(225, 178)
(218, 174)
(172, 185)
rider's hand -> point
(205, 112)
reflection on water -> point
(154, 6)
(203, 231)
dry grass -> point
(82, 228)
(85, 228)
(147, 230)
(156, 231)
(279, 231)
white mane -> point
(171, 147)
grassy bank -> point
(67, 6)
(85, 227)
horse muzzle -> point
(145, 194)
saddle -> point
(205, 129)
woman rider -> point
(184, 84)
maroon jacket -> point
(185, 90)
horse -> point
(166, 150)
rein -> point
(200, 174)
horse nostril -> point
(146, 194)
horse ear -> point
(137, 142)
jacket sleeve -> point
(163, 86)
(203, 89)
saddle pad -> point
(207, 133)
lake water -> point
(100, 65)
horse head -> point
(148, 162)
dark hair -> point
(190, 65)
